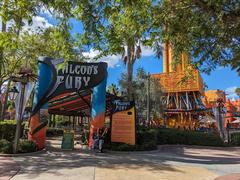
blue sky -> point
(221, 78)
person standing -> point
(101, 132)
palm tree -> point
(113, 89)
(133, 51)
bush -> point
(177, 136)
(235, 138)
(149, 138)
(5, 146)
(26, 146)
(62, 123)
(146, 140)
(123, 147)
(54, 132)
(8, 128)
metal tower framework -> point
(183, 98)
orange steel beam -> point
(165, 58)
(170, 58)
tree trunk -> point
(4, 28)
(130, 61)
(4, 105)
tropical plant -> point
(237, 90)
(116, 27)
(22, 47)
(140, 85)
(113, 89)
(209, 30)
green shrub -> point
(149, 138)
(26, 146)
(5, 146)
(177, 136)
(54, 132)
(122, 147)
(235, 138)
(62, 123)
(8, 128)
(146, 140)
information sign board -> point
(68, 140)
(123, 124)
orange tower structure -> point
(183, 99)
(232, 106)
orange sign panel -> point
(123, 127)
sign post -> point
(68, 140)
(123, 122)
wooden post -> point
(148, 98)
(19, 120)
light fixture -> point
(13, 93)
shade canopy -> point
(77, 104)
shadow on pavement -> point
(201, 155)
(55, 160)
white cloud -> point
(46, 11)
(230, 92)
(147, 51)
(50, 12)
(112, 60)
(38, 24)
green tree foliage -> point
(113, 89)
(237, 90)
(210, 30)
(116, 27)
(20, 47)
(140, 93)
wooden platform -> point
(174, 82)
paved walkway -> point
(112, 166)
(169, 162)
(8, 168)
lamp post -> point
(220, 116)
(13, 93)
(19, 117)
(23, 77)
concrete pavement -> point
(112, 166)
(169, 162)
(8, 168)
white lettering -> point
(86, 80)
(95, 69)
(68, 82)
(83, 70)
(89, 70)
(71, 69)
(77, 69)
(78, 82)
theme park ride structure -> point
(55, 82)
(182, 99)
(232, 106)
